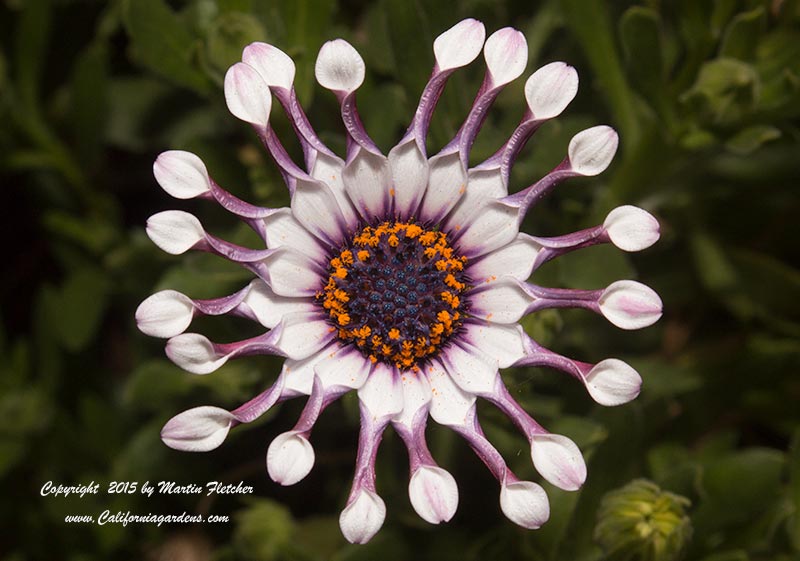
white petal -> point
(181, 174)
(506, 54)
(483, 186)
(368, 182)
(269, 308)
(409, 176)
(416, 396)
(558, 460)
(174, 231)
(503, 301)
(344, 368)
(450, 405)
(363, 517)
(382, 394)
(502, 343)
(471, 369)
(299, 374)
(630, 305)
(283, 230)
(339, 67)
(194, 353)
(434, 494)
(274, 66)
(631, 228)
(290, 458)
(613, 382)
(329, 169)
(591, 151)
(247, 94)
(164, 314)
(314, 206)
(292, 274)
(515, 259)
(197, 430)
(459, 45)
(495, 226)
(550, 89)
(447, 183)
(525, 503)
(302, 334)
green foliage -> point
(706, 96)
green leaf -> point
(89, 102)
(229, 34)
(81, 304)
(742, 35)
(748, 140)
(263, 530)
(595, 266)
(726, 91)
(793, 527)
(641, 44)
(163, 43)
(31, 42)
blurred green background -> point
(704, 465)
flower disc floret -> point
(396, 293)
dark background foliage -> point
(705, 97)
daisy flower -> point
(402, 277)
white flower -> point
(400, 277)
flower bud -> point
(194, 353)
(550, 89)
(612, 382)
(339, 67)
(640, 521)
(247, 94)
(459, 45)
(274, 66)
(506, 54)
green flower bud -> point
(640, 521)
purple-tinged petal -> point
(502, 301)
(343, 369)
(282, 229)
(515, 259)
(199, 429)
(504, 344)
(291, 273)
(506, 54)
(174, 231)
(459, 45)
(269, 308)
(181, 174)
(164, 314)
(363, 517)
(301, 334)
(274, 66)
(447, 183)
(368, 182)
(525, 504)
(290, 458)
(382, 394)
(496, 226)
(410, 173)
(550, 89)
(247, 95)
(450, 405)
(433, 493)
(416, 401)
(300, 374)
(591, 151)
(631, 228)
(470, 368)
(329, 169)
(630, 305)
(483, 187)
(314, 206)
